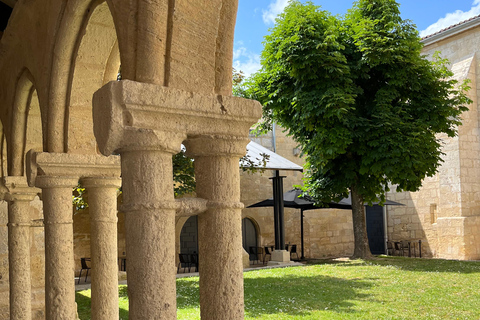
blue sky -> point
(255, 17)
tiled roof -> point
(451, 27)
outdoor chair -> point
(267, 252)
(83, 262)
(185, 261)
(255, 252)
(293, 250)
(194, 260)
(402, 247)
(390, 248)
(405, 244)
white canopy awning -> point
(275, 162)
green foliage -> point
(358, 96)
(79, 198)
(183, 174)
(247, 164)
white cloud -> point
(452, 18)
(246, 61)
(274, 8)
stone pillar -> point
(19, 197)
(57, 174)
(146, 124)
(102, 201)
(220, 227)
(149, 208)
(59, 266)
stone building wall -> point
(327, 232)
(445, 213)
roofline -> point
(451, 31)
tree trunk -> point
(362, 249)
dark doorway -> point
(375, 229)
(189, 236)
(249, 236)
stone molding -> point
(71, 166)
(18, 189)
(186, 207)
(216, 146)
(163, 116)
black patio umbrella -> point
(291, 200)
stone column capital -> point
(49, 182)
(216, 146)
(165, 116)
(18, 189)
(46, 169)
(101, 182)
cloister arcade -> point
(66, 118)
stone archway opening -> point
(249, 237)
(97, 61)
(26, 131)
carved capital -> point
(101, 182)
(69, 166)
(216, 146)
(127, 114)
(18, 189)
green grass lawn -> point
(384, 288)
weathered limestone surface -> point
(19, 197)
(53, 56)
(146, 124)
(57, 206)
(217, 178)
(56, 175)
(103, 209)
(454, 193)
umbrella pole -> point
(278, 215)
(301, 233)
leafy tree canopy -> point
(358, 96)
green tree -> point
(355, 92)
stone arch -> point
(256, 227)
(26, 124)
(69, 43)
(3, 154)
(97, 62)
(179, 223)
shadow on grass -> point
(288, 294)
(411, 264)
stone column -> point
(220, 227)
(59, 266)
(102, 201)
(149, 208)
(57, 174)
(146, 124)
(19, 197)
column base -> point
(279, 257)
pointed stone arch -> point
(97, 61)
(65, 76)
(26, 124)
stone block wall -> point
(327, 232)
(445, 213)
